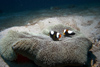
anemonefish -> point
(67, 32)
(55, 35)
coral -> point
(6, 45)
(96, 51)
(44, 51)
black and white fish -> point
(55, 35)
(67, 32)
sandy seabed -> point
(85, 19)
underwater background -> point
(17, 13)
(20, 12)
(22, 5)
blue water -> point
(22, 5)
(19, 12)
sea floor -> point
(85, 18)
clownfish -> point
(67, 32)
(55, 35)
